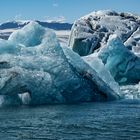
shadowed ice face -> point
(10, 83)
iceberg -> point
(131, 91)
(91, 32)
(115, 38)
(123, 64)
(96, 63)
(35, 69)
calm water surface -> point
(119, 120)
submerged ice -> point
(35, 69)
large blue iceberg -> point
(35, 69)
(120, 54)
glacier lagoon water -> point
(119, 120)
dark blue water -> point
(119, 120)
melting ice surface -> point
(35, 69)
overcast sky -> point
(61, 10)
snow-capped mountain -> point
(62, 29)
(22, 23)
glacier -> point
(35, 69)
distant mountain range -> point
(20, 24)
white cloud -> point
(55, 4)
(17, 17)
(56, 19)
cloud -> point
(17, 17)
(60, 19)
(55, 5)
